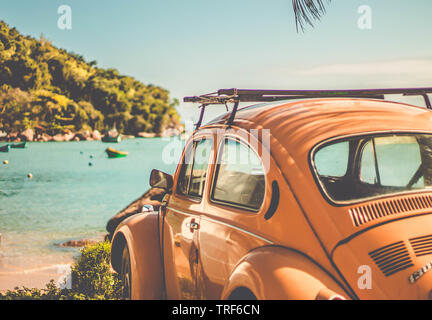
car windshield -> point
(357, 168)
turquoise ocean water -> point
(67, 198)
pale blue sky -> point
(197, 46)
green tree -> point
(59, 90)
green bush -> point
(92, 279)
(92, 275)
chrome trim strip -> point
(222, 223)
(182, 212)
(239, 229)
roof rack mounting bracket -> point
(233, 114)
(427, 101)
(198, 124)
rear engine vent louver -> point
(380, 209)
(392, 258)
(422, 245)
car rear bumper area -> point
(389, 261)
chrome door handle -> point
(192, 225)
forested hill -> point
(41, 85)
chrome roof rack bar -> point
(224, 96)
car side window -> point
(185, 172)
(194, 169)
(239, 178)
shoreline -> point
(53, 141)
(30, 135)
(27, 271)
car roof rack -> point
(224, 96)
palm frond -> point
(308, 11)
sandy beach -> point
(34, 277)
(36, 271)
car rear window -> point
(329, 165)
(369, 166)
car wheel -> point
(125, 273)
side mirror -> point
(159, 179)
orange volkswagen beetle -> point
(307, 195)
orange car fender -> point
(141, 235)
(274, 273)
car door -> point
(236, 201)
(182, 221)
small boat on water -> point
(20, 145)
(113, 153)
(5, 148)
(108, 138)
(112, 136)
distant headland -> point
(50, 94)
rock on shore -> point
(153, 197)
(27, 135)
(41, 136)
(146, 135)
(77, 243)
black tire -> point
(125, 273)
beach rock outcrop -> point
(58, 138)
(170, 132)
(68, 136)
(27, 135)
(45, 137)
(78, 243)
(40, 134)
(83, 136)
(153, 197)
(96, 135)
(13, 136)
(146, 135)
